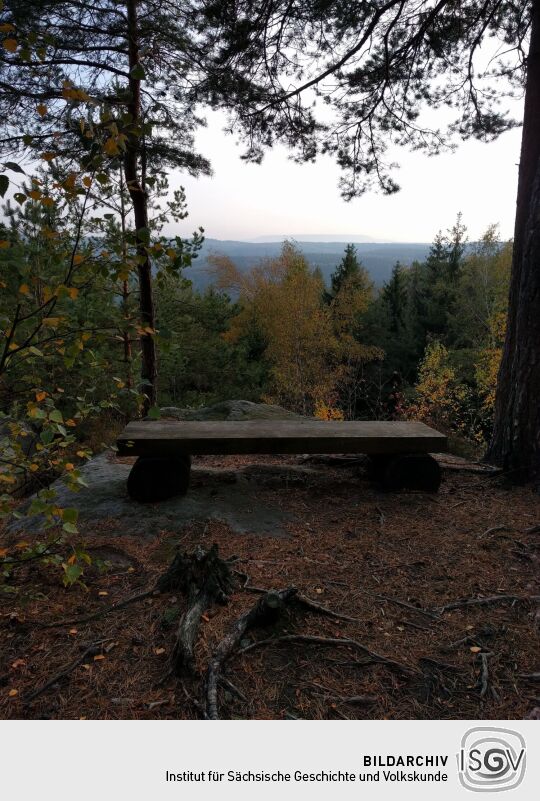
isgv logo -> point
(491, 759)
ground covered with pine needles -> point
(443, 592)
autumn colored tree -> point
(351, 295)
(283, 299)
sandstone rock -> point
(231, 410)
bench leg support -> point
(415, 471)
(156, 478)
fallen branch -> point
(92, 650)
(232, 688)
(494, 530)
(406, 605)
(356, 699)
(108, 610)
(492, 599)
(351, 699)
(471, 639)
(428, 660)
(323, 610)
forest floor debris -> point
(435, 584)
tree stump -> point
(156, 478)
(415, 471)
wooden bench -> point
(399, 451)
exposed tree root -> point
(346, 642)
(179, 577)
(208, 580)
(484, 682)
(267, 610)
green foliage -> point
(456, 381)
(351, 271)
(199, 365)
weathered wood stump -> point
(415, 471)
(156, 478)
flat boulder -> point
(230, 410)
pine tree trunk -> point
(515, 444)
(140, 210)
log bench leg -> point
(415, 471)
(156, 478)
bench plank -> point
(169, 437)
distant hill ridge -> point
(377, 257)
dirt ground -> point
(392, 562)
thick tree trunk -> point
(515, 443)
(140, 210)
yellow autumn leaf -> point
(6, 27)
(111, 147)
(47, 201)
(51, 321)
(34, 467)
(4, 243)
(41, 110)
(41, 396)
(87, 182)
(69, 466)
(70, 93)
(48, 155)
(10, 45)
(24, 289)
(35, 194)
(71, 423)
(3, 552)
(69, 182)
(13, 692)
(73, 292)
(78, 258)
(98, 657)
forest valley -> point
(362, 604)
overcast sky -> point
(280, 198)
